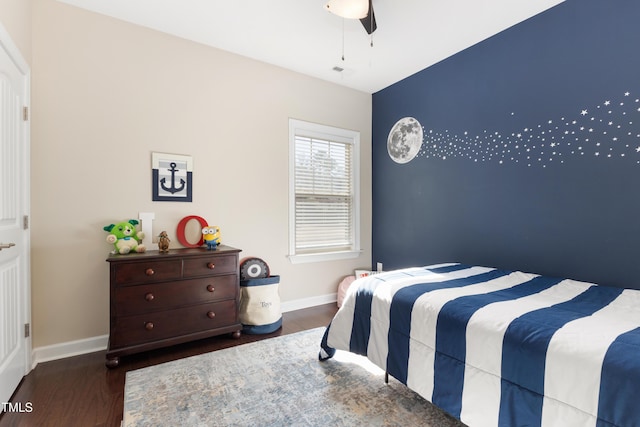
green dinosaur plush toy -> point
(124, 237)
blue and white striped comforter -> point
(499, 348)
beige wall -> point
(105, 94)
(15, 16)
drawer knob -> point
(148, 326)
(210, 288)
(211, 266)
(149, 297)
(211, 315)
(149, 272)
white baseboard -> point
(68, 349)
(299, 304)
(90, 345)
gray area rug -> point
(273, 382)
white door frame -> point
(7, 44)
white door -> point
(15, 348)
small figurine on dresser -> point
(124, 237)
(211, 236)
(163, 242)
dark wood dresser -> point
(162, 299)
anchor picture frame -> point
(172, 177)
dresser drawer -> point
(214, 264)
(161, 296)
(155, 326)
(147, 272)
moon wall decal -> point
(404, 140)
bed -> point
(497, 347)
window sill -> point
(321, 257)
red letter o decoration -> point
(183, 224)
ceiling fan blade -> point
(369, 21)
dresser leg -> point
(112, 362)
(235, 334)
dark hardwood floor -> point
(81, 391)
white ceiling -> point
(301, 36)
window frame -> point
(334, 134)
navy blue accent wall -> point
(529, 155)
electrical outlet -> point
(379, 267)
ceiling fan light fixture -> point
(349, 9)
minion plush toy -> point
(211, 236)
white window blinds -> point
(324, 195)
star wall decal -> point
(554, 141)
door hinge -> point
(25, 113)
(25, 222)
(27, 330)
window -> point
(324, 192)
